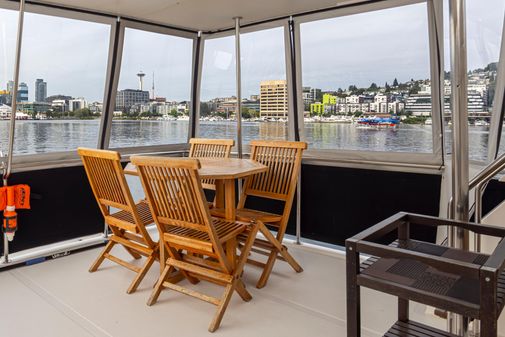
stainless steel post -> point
(238, 113)
(12, 125)
(299, 210)
(458, 324)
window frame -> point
(251, 28)
(152, 28)
(435, 159)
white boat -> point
(481, 123)
(428, 121)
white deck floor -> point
(60, 298)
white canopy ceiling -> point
(205, 15)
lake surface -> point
(67, 135)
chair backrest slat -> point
(104, 172)
(174, 190)
(210, 148)
(283, 159)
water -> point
(67, 135)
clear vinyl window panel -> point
(218, 90)
(484, 24)
(153, 99)
(264, 87)
(61, 84)
(366, 81)
(8, 31)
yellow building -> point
(316, 108)
(274, 98)
(329, 99)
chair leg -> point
(221, 308)
(101, 257)
(280, 248)
(242, 291)
(159, 285)
(141, 274)
(267, 270)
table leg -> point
(220, 193)
(230, 211)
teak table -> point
(224, 171)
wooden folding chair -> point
(284, 160)
(210, 148)
(174, 190)
(107, 180)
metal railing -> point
(478, 184)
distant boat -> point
(428, 121)
(379, 121)
(481, 123)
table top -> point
(220, 168)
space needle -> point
(141, 79)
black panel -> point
(62, 207)
(338, 203)
(493, 195)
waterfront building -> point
(40, 90)
(354, 99)
(126, 98)
(33, 108)
(274, 98)
(95, 107)
(5, 111)
(316, 108)
(50, 99)
(252, 104)
(76, 104)
(379, 98)
(59, 105)
(22, 92)
(418, 104)
(329, 99)
(5, 97)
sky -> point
(71, 55)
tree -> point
(174, 113)
(373, 87)
(395, 82)
(388, 88)
(352, 88)
(204, 109)
(83, 113)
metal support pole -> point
(459, 82)
(14, 96)
(299, 210)
(238, 113)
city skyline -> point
(262, 52)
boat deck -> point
(60, 298)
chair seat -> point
(246, 215)
(124, 219)
(225, 230)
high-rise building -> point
(23, 92)
(128, 97)
(40, 90)
(274, 98)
